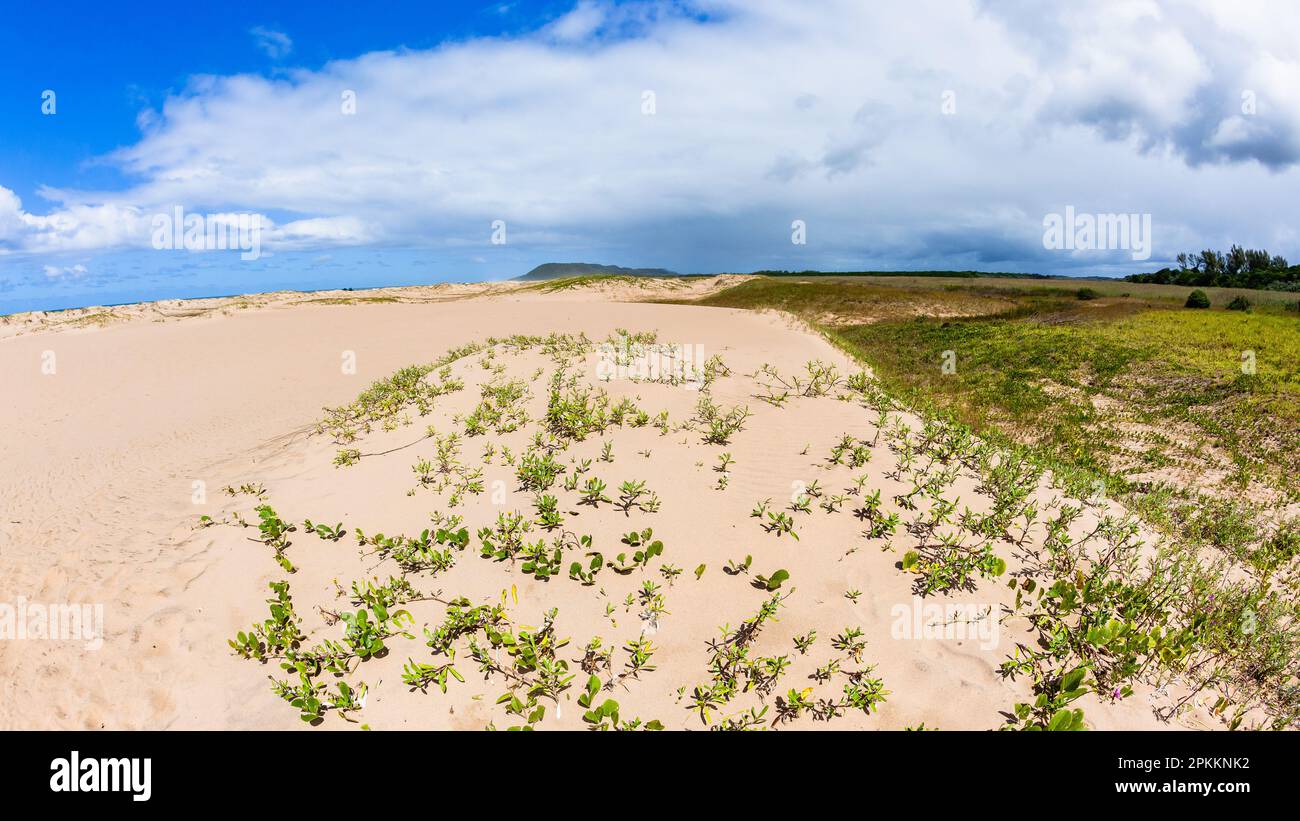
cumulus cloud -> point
(81, 224)
(760, 112)
(1214, 81)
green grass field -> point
(1192, 417)
(1171, 295)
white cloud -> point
(585, 19)
(275, 44)
(56, 272)
(764, 111)
(314, 233)
(81, 224)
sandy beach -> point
(122, 434)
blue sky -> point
(687, 135)
(109, 61)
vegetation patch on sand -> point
(551, 286)
(559, 573)
(349, 300)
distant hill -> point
(562, 270)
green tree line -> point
(1238, 268)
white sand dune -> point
(100, 460)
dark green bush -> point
(1239, 303)
(1086, 293)
(1197, 299)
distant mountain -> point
(561, 270)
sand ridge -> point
(601, 289)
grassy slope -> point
(1149, 396)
